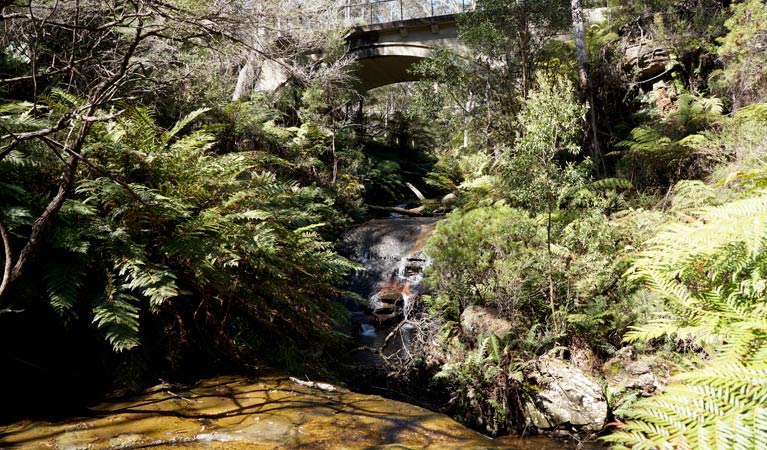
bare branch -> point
(93, 166)
(100, 118)
(8, 256)
(60, 125)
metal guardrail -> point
(383, 11)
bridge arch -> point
(384, 65)
(387, 51)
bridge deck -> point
(374, 12)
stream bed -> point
(265, 412)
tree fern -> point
(711, 275)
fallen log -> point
(313, 384)
(407, 212)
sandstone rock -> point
(644, 374)
(477, 320)
(568, 398)
(648, 57)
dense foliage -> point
(709, 273)
(165, 227)
(543, 243)
(184, 239)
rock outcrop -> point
(477, 320)
(646, 57)
(631, 371)
(567, 398)
(241, 413)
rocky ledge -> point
(238, 413)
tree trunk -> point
(580, 43)
(45, 218)
(8, 254)
(583, 80)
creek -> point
(273, 411)
(391, 250)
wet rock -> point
(386, 319)
(391, 252)
(477, 320)
(236, 413)
(383, 247)
(567, 398)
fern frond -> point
(15, 216)
(117, 316)
(21, 159)
(71, 99)
(153, 281)
(611, 184)
(63, 281)
(178, 126)
(711, 273)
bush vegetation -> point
(172, 229)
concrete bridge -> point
(386, 51)
(388, 37)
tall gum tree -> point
(584, 83)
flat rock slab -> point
(257, 413)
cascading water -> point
(391, 252)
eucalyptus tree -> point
(508, 36)
(551, 123)
(295, 41)
(507, 42)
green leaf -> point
(189, 118)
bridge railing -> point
(355, 12)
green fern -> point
(166, 137)
(63, 283)
(153, 281)
(711, 275)
(117, 316)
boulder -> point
(567, 398)
(477, 320)
(449, 198)
(631, 371)
(647, 57)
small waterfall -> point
(391, 251)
